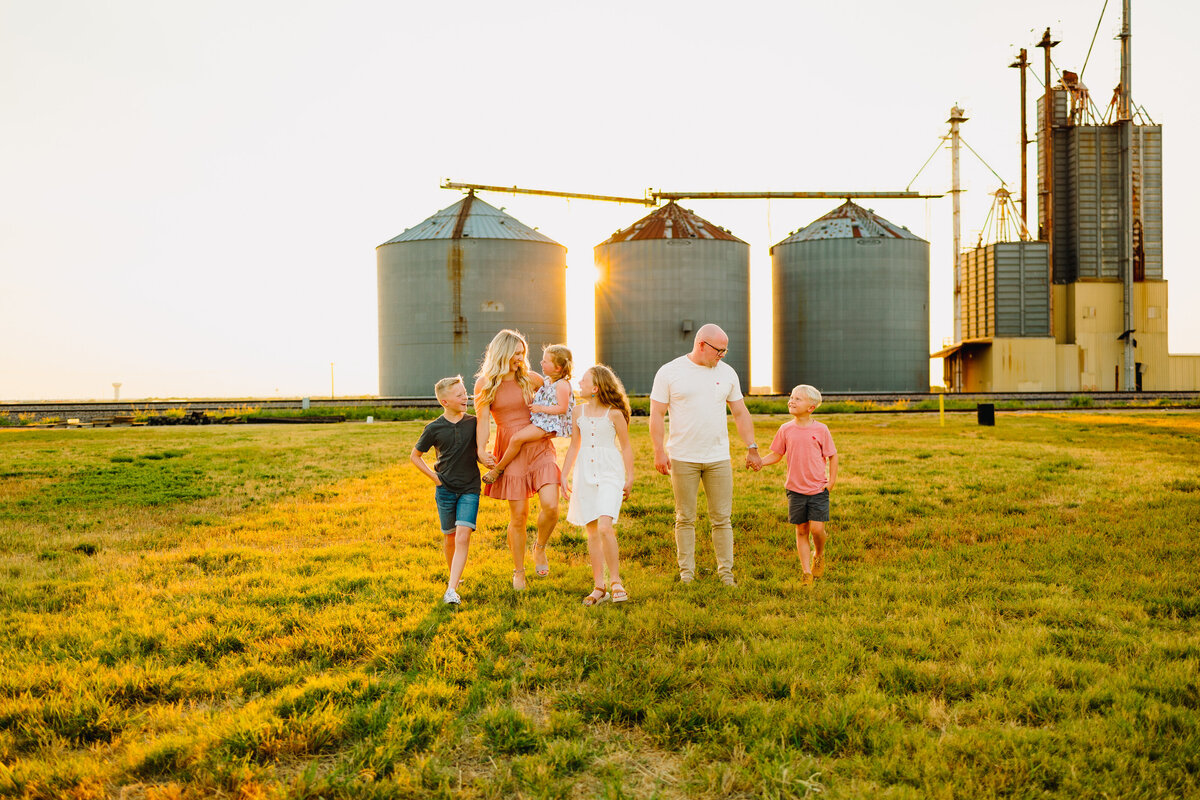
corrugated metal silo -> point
(659, 280)
(447, 285)
(851, 298)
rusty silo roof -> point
(850, 221)
(671, 222)
(470, 218)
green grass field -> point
(254, 611)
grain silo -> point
(851, 301)
(659, 280)
(447, 285)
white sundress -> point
(558, 424)
(599, 472)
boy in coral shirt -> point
(808, 446)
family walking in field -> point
(688, 430)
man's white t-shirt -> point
(695, 397)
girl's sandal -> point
(492, 476)
(593, 600)
(541, 570)
(619, 595)
(517, 572)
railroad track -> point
(90, 410)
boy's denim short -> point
(808, 507)
(455, 509)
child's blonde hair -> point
(446, 384)
(811, 391)
(609, 389)
(560, 354)
(500, 350)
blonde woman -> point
(504, 389)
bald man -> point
(693, 390)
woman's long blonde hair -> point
(495, 366)
(609, 389)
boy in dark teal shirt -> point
(455, 475)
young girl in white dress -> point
(600, 443)
(550, 412)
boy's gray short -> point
(808, 507)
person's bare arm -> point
(622, 427)
(771, 458)
(832, 471)
(745, 429)
(658, 427)
(416, 457)
(483, 427)
(568, 466)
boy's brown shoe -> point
(818, 566)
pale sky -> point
(191, 192)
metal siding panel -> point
(647, 287)
(852, 314)
(1148, 168)
(502, 284)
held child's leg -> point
(530, 433)
(596, 554)
(819, 537)
(802, 548)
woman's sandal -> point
(492, 476)
(593, 600)
(619, 595)
(541, 570)
(517, 572)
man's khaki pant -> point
(717, 477)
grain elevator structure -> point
(1084, 306)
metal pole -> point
(331, 380)
(482, 187)
(1022, 63)
(1125, 136)
(790, 195)
(1047, 191)
(956, 117)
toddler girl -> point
(601, 429)
(551, 409)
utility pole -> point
(957, 116)
(1125, 137)
(1047, 191)
(1022, 63)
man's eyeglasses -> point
(720, 350)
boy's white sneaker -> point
(451, 597)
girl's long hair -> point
(609, 389)
(495, 366)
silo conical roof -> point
(671, 222)
(850, 221)
(471, 218)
